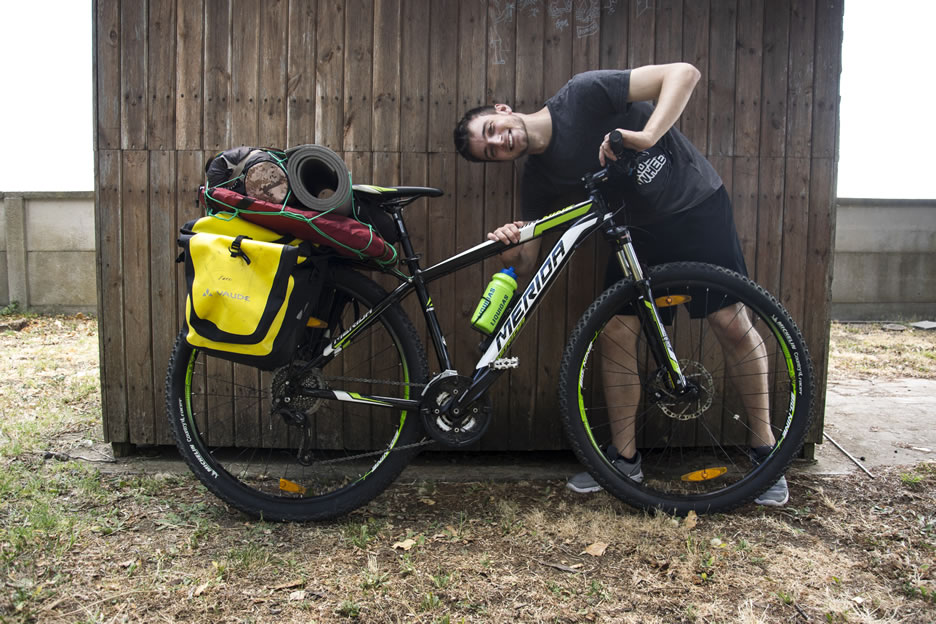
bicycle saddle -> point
(397, 192)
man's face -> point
(497, 136)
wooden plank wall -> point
(382, 82)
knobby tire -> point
(695, 452)
(222, 419)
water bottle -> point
(494, 301)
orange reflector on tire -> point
(667, 301)
(316, 323)
(705, 474)
(289, 486)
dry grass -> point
(78, 545)
(866, 350)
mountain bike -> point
(331, 430)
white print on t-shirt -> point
(648, 169)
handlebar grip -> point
(617, 143)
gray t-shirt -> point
(671, 177)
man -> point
(678, 200)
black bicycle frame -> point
(586, 218)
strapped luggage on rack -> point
(348, 237)
(250, 290)
(305, 191)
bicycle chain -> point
(385, 382)
(423, 442)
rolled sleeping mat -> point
(319, 179)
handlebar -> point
(625, 164)
(617, 144)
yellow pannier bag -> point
(250, 293)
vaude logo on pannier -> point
(223, 293)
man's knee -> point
(622, 329)
(730, 323)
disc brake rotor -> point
(687, 408)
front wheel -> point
(750, 384)
(257, 441)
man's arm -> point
(671, 86)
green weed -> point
(360, 535)
(373, 577)
(430, 602)
(691, 613)
(406, 565)
(349, 609)
(250, 556)
(442, 580)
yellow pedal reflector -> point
(705, 474)
(667, 301)
(289, 486)
(316, 323)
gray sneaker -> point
(584, 483)
(776, 496)
(779, 493)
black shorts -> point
(704, 233)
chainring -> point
(447, 424)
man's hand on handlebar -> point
(634, 141)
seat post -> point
(395, 210)
(409, 254)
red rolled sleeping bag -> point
(347, 236)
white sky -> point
(887, 135)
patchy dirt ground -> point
(77, 545)
(867, 350)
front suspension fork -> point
(646, 309)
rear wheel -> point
(750, 379)
(256, 441)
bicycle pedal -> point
(511, 362)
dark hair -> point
(461, 131)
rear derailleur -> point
(291, 402)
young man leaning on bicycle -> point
(675, 197)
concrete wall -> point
(885, 260)
(47, 251)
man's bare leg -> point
(617, 347)
(746, 353)
(746, 358)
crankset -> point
(445, 422)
